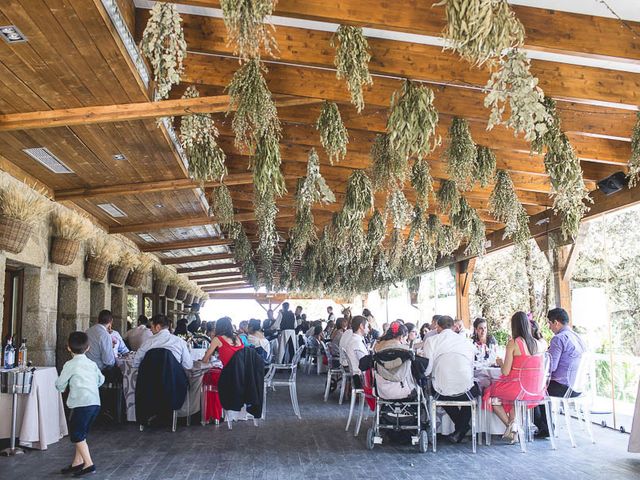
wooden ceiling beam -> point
(186, 244)
(546, 30)
(212, 276)
(196, 258)
(209, 268)
(230, 286)
(175, 223)
(68, 117)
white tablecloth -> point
(634, 440)
(130, 376)
(40, 419)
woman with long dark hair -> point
(226, 342)
(521, 370)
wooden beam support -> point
(196, 258)
(230, 286)
(208, 268)
(207, 276)
(186, 244)
(464, 274)
(226, 279)
(176, 223)
(68, 117)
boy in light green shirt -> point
(83, 377)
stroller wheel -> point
(423, 443)
(370, 440)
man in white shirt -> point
(451, 359)
(434, 327)
(162, 338)
(330, 315)
(345, 339)
(357, 348)
(136, 336)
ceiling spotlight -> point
(11, 34)
(159, 205)
(119, 157)
(542, 221)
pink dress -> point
(522, 383)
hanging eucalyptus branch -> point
(352, 61)
(198, 136)
(375, 232)
(388, 167)
(395, 252)
(417, 223)
(164, 46)
(314, 188)
(432, 228)
(422, 182)
(485, 166)
(359, 195)
(222, 206)
(476, 237)
(249, 272)
(448, 240)
(634, 160)
(256, 115)
(518, 227)
(398, 208)
(242, 247)
(412, 121)
(461, 154)
(266, 212)
(333, 134)
(503, 198)
(265, 163)
(302, 232)
(514, 85)
(448, 198)
(247, 27)
(480, 30)
(463, 218)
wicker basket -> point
(135, 279)
(95, 269)
(14, 234)
(118, 275)
(172, 291)
(160, 287)
(188, 299)
(181, 295)
(64, 251)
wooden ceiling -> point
(75, 58)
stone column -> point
(73, 313)
(3, 266)
(100, 295)
(40, 314)
(119, 308)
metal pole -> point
(12, 450)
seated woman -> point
(537, 334)
(412, 336)
(521, 371)
(226, 342)
(424, 329)
(181, 327)
(481, 337)
(257, 339)
(396, 335)
(328, 330)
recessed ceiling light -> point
(119, 157)
(11, 34)
(159, 205)
(112, 210)
(147, 237)
(47, 159)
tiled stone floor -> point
(317, 447)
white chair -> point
(355, 392)
(334, 370)
(581, 402)
(448, 361)
(271, 382)
(313, 351)
(346, 375)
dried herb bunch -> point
(485, 166)
(359, 195)
(22, 203)
(302, 233)
(388, 167)
(198, 136)
(375, 232)
(448, 198)
(398, 208)
(256, 115)
(164, 46)
(461, 154)
(506, 208)
(514, 85)
(265, 163)
(634, 160)
(71, 225)
(476, 237)
(266, 212)
(448, 240)
(314, 188)
(480, 30)
(333, 134)
(421, 181)
(412, 121)
(247, 28)
(221, 205)
(352, 61)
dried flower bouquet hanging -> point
(247, 27)
(352, 61)
(333, 134)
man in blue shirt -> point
(101, 348)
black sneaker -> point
(541, 434)
(72, 469)
(85, 471)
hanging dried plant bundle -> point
(128, 259)
(417, 223)
(461, 154)
(256, 115)
(448, 240)
(480, 30)
(249, 272)
(266, 212)
(265, 164)
(247, 27)
(518, 227)
(503, 198)
(388, 167)
(242, 247)
(634, 160)
(395, 252)
(476, 237)
(104, 247)
(198, 136)
(70, 224)
(485, 166)
(314, 188)
(145, 262)
(412, 121)
(514, 85)
(448, 198)
(462, 219)
(302, 233)
(162, 273)
(422, 182)
(23, 203)
(432, 228)
(333, 134)
(359, 196)
(222, 206)
(398, 208)
(375, 231)
(352, 61)
(164, 46)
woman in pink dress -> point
(522, 371)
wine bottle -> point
(22, 354)
(9, 357)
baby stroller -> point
(400, 403)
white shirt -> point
(356, 349)
(260, 342)
(164, 339)
(451, 358)
(345, 339)
(137, 336)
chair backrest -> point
(352, 370)
(579, 372)
(453, 365)
(392, 374)
(533, 375)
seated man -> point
(162, 338)
(452, 375)
(119, 347)
(565, 350)
(101, 348)
(356, 347)
(136, 336)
